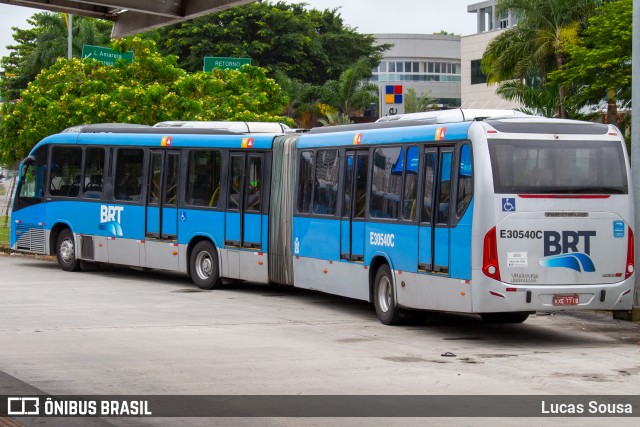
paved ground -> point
(120, 331)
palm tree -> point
(417, 104)
(536, 46)
(334, 118)
(51, 42)
(352, 92)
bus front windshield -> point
(558, 167)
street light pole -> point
(69, 36)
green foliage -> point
(599, 65)
(311, 46)
(303, 99)
(334, 118)
(17, 76)
(537, 45)
(150, 90)
(351, 92)
(4, 232)
(417, 104)
(39, 47)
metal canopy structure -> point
(133, 16)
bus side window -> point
(305, 181)
(362, 171)
(444, 188)
(386, 185)
(66, 166)
(129, 167)
(326, 182)
(203, 187)
(410, 183)
(430, 172)
(93, 172)
(32, 181)
(254, 183)
(465, 181)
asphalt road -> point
(116, 331)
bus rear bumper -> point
(492, 296)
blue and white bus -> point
(500, 216)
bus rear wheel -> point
(66, 251)
(384, 298)
(514, 317)
(204, 266)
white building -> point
(428, 63)
(474, 89)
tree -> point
(416, 104)
(308, 45)
(352, 92)
(150, 90)
(303, 99)
(39, 47)
(537, 45)
(599, 65)
(17, 76)
(538, 99)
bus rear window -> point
(558, 167)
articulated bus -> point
(499, 216)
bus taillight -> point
(490, 265)
(630, 256)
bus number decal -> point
(521, 234)
(382, 239)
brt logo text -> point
(110, 217)
(556, 243)
(110, 213)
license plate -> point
(566, 299)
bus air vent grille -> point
(32, 238)
(566, 214)
(86, 249)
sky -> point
(367, 16)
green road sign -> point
(105, 55)
(211, 62)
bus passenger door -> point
(353, 205)
(161, 225)
(434, 245)
(243, 225)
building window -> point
(503, 20)
(477, 76)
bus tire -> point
(66, 251)
(512, 317)
(203, 261)
(384, 298)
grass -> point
(4, 231)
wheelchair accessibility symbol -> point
(508, 204)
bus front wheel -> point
(204, 266)
(384, 298)
(66, 251)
